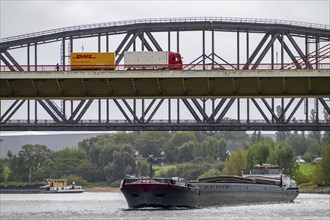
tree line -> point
(109, 158)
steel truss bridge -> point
(259, 74)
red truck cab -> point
(175, 61)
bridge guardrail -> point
(52, 68)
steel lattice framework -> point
(300, 45)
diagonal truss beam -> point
(122, 110)
(153, 41)
(301, 54)
(266, 49)
(144, 42)
(131, 111)
(191, 110)
(7, 63)
(201, 110)
(84, 109)
(49, 111)
(260, 110)
(122, 43)
(288, 51)
(256, 51)
(129, 44)
(11, 110)
(294, 110)
(13, 61)
(225, 110)
(154, 111)
(325, 105)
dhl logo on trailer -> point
(93, 61)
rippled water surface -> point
(113, 206)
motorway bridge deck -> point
(165, 84)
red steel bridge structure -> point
(239, 74)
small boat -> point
(60, 186)
(260, 184)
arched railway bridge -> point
(239, 74)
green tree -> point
(177, 140)
(258, 153)
(121, 164)
(326, 134)
(66, 162)
(31, 157)
(287, 159)
(211, 173)
(34, 155)
(2, 169)
(298, 143)
(151, 143)
(235, 163)
(186, 151)
(322, 172)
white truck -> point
(152, 60)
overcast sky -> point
(25, 16)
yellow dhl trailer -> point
(93, 61)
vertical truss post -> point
(316, 110)
(237, 45)
(71, 45)
(28, 111)
(178, 111)
(272, 55)
(169, 110)
(282, 51)
(107, 109)
(134, 109)
(142, 40)
(248, 110)
(273, 109)
(143, 112)
(107, 42)
(317, 51)
(238, 110)
(247, 46)
(100, 111)
(35, 111)
(99, 43)
(178, 41)
(306, 109)
(212, 48)
(35, 57)
(203, 48)
(63, 53)
(28, 57)
(169, 41)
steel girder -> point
(182, 114)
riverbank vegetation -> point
(106, 159)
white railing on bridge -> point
(192, 67)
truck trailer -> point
(153, 60)
(93, 61)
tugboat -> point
(60, 186)
(262, 184)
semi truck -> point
(152, 60)
(93, 61)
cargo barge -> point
(257, 185)
(53, 186)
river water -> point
(113, 206)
